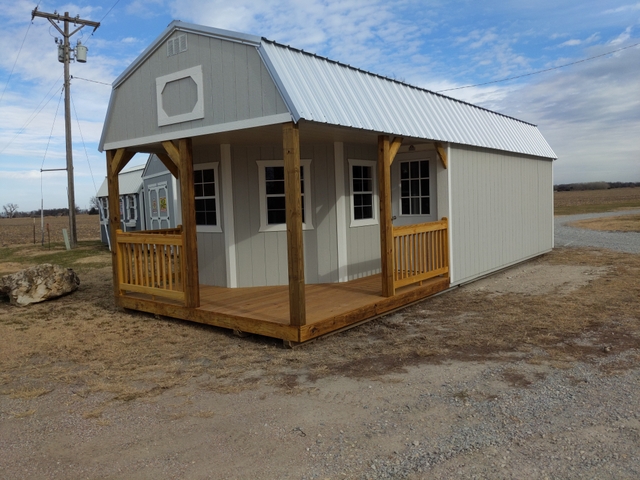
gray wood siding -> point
(212, 266)
(237, 86)
(501, 210)
(262, 256)
(363, 243)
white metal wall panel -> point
(320, 90)
(501, 210)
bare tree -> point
(10, 209)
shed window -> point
(363, 192)
(132, 208)
(414, 187)
(206, 190)
(273, 214)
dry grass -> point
(591, 201)
(19, 231)
(83, 342)
(623, 223)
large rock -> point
(39, 283)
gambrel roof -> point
(129, 182)
(317, 89)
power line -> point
(89, 80)
(540, 71)
(15, 63)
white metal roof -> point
(321, 90)
(129, 182)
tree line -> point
(567, 187)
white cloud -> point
(623, 8)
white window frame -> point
(374, 174)
(430, 179)
(217, 228)
(262, 190)
(131, 201)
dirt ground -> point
(587, 201)
(18, 231)
(91, 391)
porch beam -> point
(173, 152)
(386, 226)
(394, 147)
(293, 205)
(442, 153)
(114, 215)
(189, 236)
(169, 164)
(118, 160)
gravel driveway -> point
(566, 236)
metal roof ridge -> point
(404, 84)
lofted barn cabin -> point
(312, 195)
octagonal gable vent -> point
(180, 96)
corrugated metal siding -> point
(501, 212)
(320, 90)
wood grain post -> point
(116, 161)
(386, 227)
(189, 237)
(295, 246)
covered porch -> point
(157, 271)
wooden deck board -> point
(265, 310)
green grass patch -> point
(56, 254)
(596, 208)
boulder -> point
(39, 283)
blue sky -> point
(589, 112)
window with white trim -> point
(273, 214)
(207, 193)
(362, 180)
(104, 213)
(414, 188)
(132, 208)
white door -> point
(159, 206)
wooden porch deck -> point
(265, 310)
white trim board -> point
(341, 212)
(227, 213)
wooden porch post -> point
(116, 161)
(295, 247)
(386, 227)
(189, 236)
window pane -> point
(425, 206)
(415, 172)
(367, 186)
(357, 185)
(275, 187)
(404, 170)
(276, 216)
(275, 203)
(200, 218)
(199, 192)
(405, 207)
(210, 205)
(200, 205)
(366, 172)
(415, 206)
(274, 173)
(424, 168)
(357, 200)
(415, 188)
(197, 176)
(424, 190)
(357, 171)
(367, 199)
(367, 212)
(357, 213)
(207, 176)
(209, 191)
(404, 188)
(211, 218)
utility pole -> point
(64, 56)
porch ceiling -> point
(310, 132)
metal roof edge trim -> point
(366, 72)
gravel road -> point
(566, 236)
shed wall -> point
(236, 87)
(501, 210)
(262, 256)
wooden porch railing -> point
(151, 262)
(420, 252)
